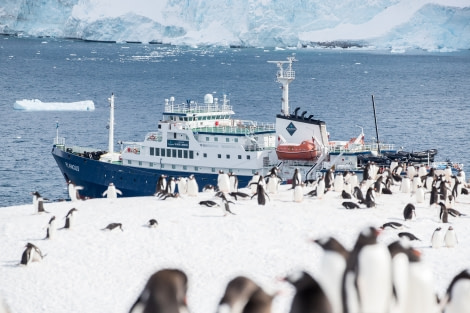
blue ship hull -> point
(94, 176)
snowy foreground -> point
(88, 269)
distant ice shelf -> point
(38, 105)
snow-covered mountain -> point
(384, 24)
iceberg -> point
(38, 105)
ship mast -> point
(285, 77)
(111, 125)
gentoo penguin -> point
(350, 205)
(332, 267)
(437, 239)
(339, 182)
(182, 183)
(345, 195)
(237, 294)
(165, 291)
(73, 191)
(239, 194)
(357, 193)
(296, 178)
(457, 298)
(321, 188)
(161, 184)
(113, 226)
(226, 207)
(233, 182)
(208, 203)
(415, 182)
(40, 206)
(37, 197)
(209, 188)
(434, 198)
(367, 280)
(409, 211)
(152, 223)
(454, 212)
(419, 194)
(223, 182)
(450, 238)
(394, 225)
(444, 213)
(31, 254)
(261, 194)
(309, 296)
(51, 229)
(69, 218)
(171, 186)
(353, 180)
(112, 192)
(272, 183)
(408, 236)
(405, 186)
(253, 183)
(192, 187)
(299, 193)
(411, 171)
(378, 185)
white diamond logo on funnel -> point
(291, 129)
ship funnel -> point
(285, 76)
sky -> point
(88, 269)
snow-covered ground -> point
(87, 269)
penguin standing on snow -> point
(419, 194)
(437, 239)
(444, 213)
(299, 193)
(309, 296)
(161, 184)
(261, 194)
(272, 184)
(296, 178)
(171, 187)
(252, 184)
(456, 299)
(152, 223)
(409, 211)
(51, 229)
(329, 179)
(69, 218)
(321, 188)
(192, 187)
(112, 192)
(223, 182)
(233, 182)
(339, 182)
(367, 280)
(450, 238)
(113, 226)
(31, 254)
(182, 183)
(73, 191)
(165, 291)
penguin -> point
(37, 197)
(31, 254)
(272, 184)
(419, 194)
(171, 186)
(161, 184)
(357, 193)
(434, 198)
(226, 207)
(450, 238)
(333, 264)
(345, 195)
(454, 212)
(112, 192)
(233, 182)
(167, 195)
(223, 182)
(113, 226)
(237, 294)
(408, 236)
(405, 186)
(411, 171)
(165, 291)
(437, 239)
(192, 187)
(208, 203)
(378, 185)
(367, 280)
(409, 211)
(354, 181)
(456, 299)
(69, 218)
(339, 182)
(73, 191)
(152, 223)
(40, 206)
(259, 302)
(299, 193)
(350, 205)
(261, 194)
(309, 295)
(51, 229)
(239, 194)
(321, 187)
(182, 183)
(252, 184)
(394, 225)
(416, 181)
(209, 188)
(443, 215)
(296, 178)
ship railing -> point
(240, 129)
(196, 108)
(59, 141)
(355, 148)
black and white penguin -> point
(31, 254)
(339, 182)
(238, 194)
(182, 183)
(223, 182)
(192, 186)
(405, 186)
(367, 280)
(36, 198)
(408, 236)
(272, 183)
(434, 198)
(111, 192)
(69, 218)
(345, 195)
(394, 225)
(437, 239)
(208, 203)
(450, 238)
(321, 187)
(74, 191)
(51, 229)
(419, 194)
(370, 198)
(454, 212)
(253, 183)
(350, 205)
(165, 291)
(226, 207)
(261, 194)
(237, 294)
(333, 265)
(456, 299)
(171, 186)
(161, 184)
(309, 295)
(296, 178)
(152, 223)
(329, 179)
(409, 211)
(113, 226)
(378, 185)
(357, 193)
(443, 214)
(298, 195)
(233, 182)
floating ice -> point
(38, 105)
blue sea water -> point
(422, 99)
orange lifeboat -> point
(306, 150)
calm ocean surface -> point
(422, 99)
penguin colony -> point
(352, 284)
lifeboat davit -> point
(306, 150)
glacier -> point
(432, 25)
